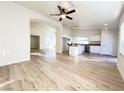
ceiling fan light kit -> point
(63, 14)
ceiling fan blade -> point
(69, 12)
(69, 17)
(54, 14)
(63, 10)
(59, 7)
(60, 19)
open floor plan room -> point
(62, 46)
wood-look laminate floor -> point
(62, 73)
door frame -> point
(38, 39)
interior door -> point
(34, 42)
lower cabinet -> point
(95, 49)
(76, 50)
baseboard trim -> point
(16, 62)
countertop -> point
(85, 45)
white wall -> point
(15, 32)
(47, 36)
(66, 34)
(66, 31)
(109, 42)
(85, 33)
(120, 63)
(59, 40)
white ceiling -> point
(88, 15)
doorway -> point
(65, 47)
(35, 43)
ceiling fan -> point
(63, 13)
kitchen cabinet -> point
(76, 50)
(95, 38)
(95, 49)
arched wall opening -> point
(49, 42)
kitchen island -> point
(78, 49)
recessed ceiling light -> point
(105, 24)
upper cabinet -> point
(95, 38)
